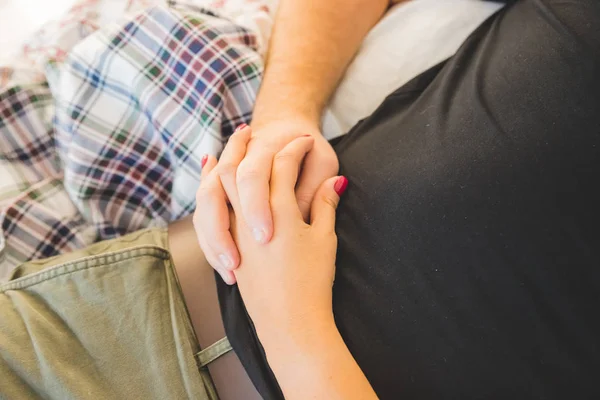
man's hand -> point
(254, 172)
(320, 164)
(253, 176)
(312, 43)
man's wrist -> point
(290, 124)
(286, 119)
(286, 116)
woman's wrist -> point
(296, 332)
(298, 340)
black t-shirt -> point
(469, 248)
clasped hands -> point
(265, 218)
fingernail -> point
(224, 276)
(341, 185)
(239, 128)
(204, 160)
(226, 262)
(259, 235)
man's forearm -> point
(312, 43)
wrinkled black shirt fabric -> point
(469, 241)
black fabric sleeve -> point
(244, 340)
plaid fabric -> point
(134, 119)
(42, 221)
(111, 142)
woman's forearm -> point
(312, 43)
(312, 361)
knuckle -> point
(330, 201)
(236, 133)
(238, 137)
(333, 238)
(227, 169)
(271, 146)
(304, 198)
(205, 192)
(282, 158)
(270, 149)
(212, 261)
(200, 194)
(245, 175)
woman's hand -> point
(298, 265)
(253, 174)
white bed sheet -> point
(19, 19)
(410, 39)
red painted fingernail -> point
(204, 160)
(239, 128)
(341, 185)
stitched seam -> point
(53, 272)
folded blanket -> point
(102, 130)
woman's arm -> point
(286, 284)
(313, 362)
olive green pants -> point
(107, 322)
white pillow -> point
(412, 37)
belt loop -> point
(214, 351)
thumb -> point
(326, 201)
